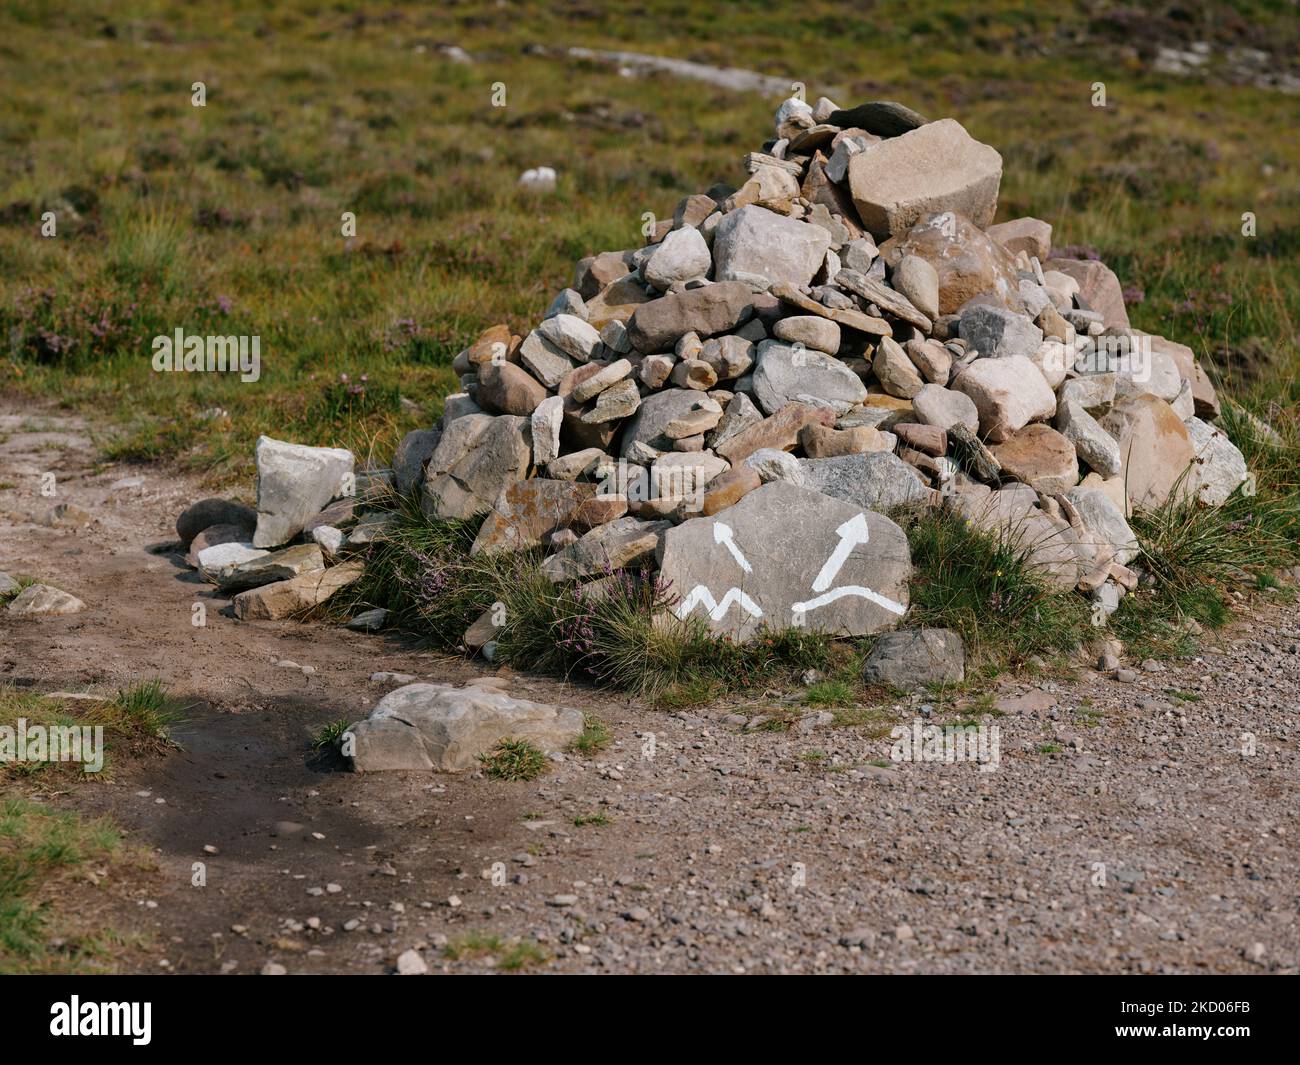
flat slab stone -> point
(789, 557)
(440, 727)
(287, 598)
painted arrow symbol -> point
(722, 534)
(851, 533)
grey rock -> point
(786, 556)
(37, 600)
(573, 336)
(910, 658)
(478, 456)
(996, 333)
(293, 483)
(873, 480)
(936, 405)
(1105, 532)
(683, 254)
(439, 727)
(1093, 444)
(208, 512)
(1219, 467)
(784, 373)
(754, 240)
(411, 455)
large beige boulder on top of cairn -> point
(936, 167)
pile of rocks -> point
(744, 400)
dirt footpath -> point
(1123, 830)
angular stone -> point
(740, 413)
(780, 430)
(38, 600)
(936, 405)
(1009, 393)
(440, 727)
(504, 388)
(1051, 545)
(284, 599)
(614, 404)
(913, 658)
(526, 513)
(1155, 447)
(657, 412)
(996, 333)
(1093, 444)
(680, 256)
(1094, 393)
(598, 272)
(293, 483)
(730, 356)
(478, 456)
(707, 311)
(928, 439)
(208, 512)
(1030, 235)
(968, 263)
(694, 374)
(933, 168)
(545, 423)
(918, 282)
(773, 465)
(411, 456)
(875, 480)
(1105, 532)
(578, 464)
(1204, 398)
(894, 370)
(576, 338)
(784, 557)
(1099, 288)
(783, 373)
(280, 565)
(1219, 467)
(889, 301)
(1040, 457)
(492, 343)
(617, 303)
(754, 240)
(607, 376)
(213, 536)
(216, 562)
(543, 359)
(456, 406)
(625, 543)
(932, 360)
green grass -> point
(596, 820)
(329, 737)
(511, 955)
(149, 710)
(43, 853)
(595, 735)
(514, 760)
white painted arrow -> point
(851, 533)
(722, 534)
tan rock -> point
(780, 430)
(1040, 457)
(1155, 447)
(284, 599)
(1030, 235)
(968, 262)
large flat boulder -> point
(284, 599)
(789, 557)
(756, 242)
(935, 167)
(440, 727)
(293, 483)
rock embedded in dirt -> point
(786, 556)
(913, 658)
(37, 600)
(284, 599)
(372, 620)
(213, 511)
(8, 586)
(281, 565)
(440, 727)
(293, 483)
